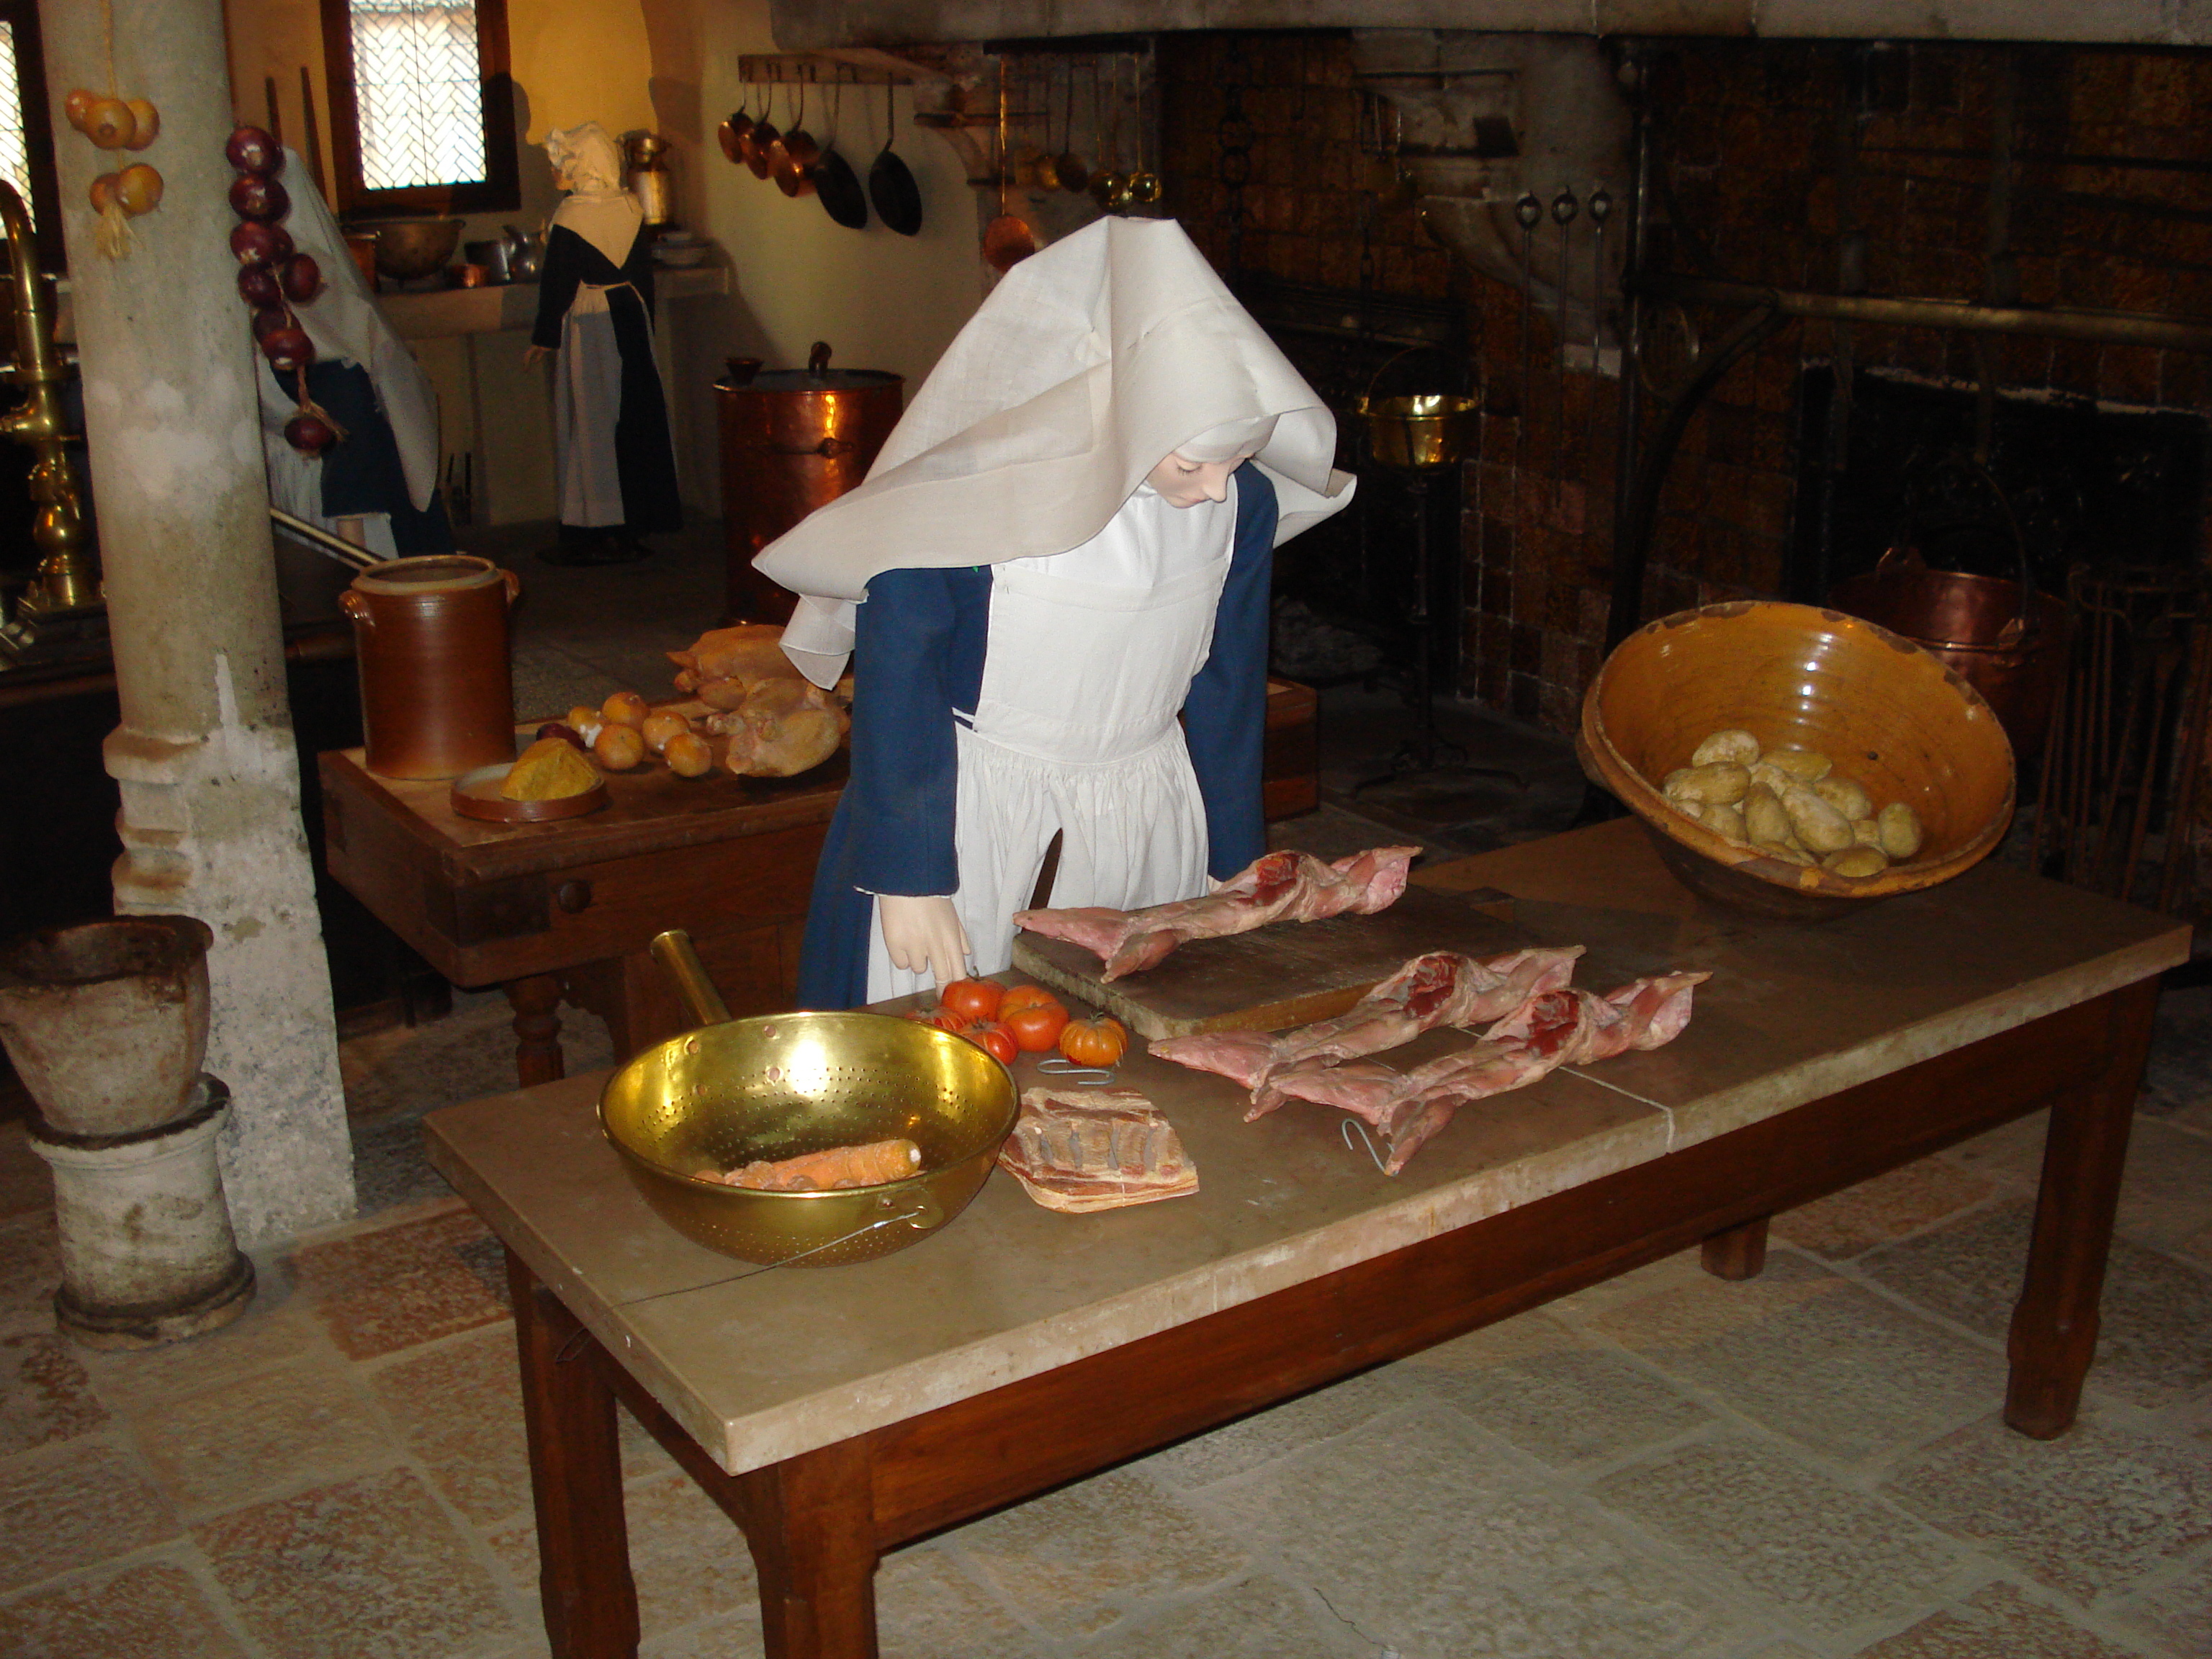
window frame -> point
(500, 189)
(46, 203)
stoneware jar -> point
(431, 637)
(106, 1021)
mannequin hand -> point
(532, 354)
(924, 933)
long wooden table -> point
(836, 1414)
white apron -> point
(587, 403)
(1088, 657)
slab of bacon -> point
(1275, 887)
(1441, 987)
(1553, 1028)
(1079, 1150)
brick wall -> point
(1747, 134)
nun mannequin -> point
(1065, 543)
(377, 487)
(611, 449)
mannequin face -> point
(1182, 482)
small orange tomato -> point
(1099, 1040)
(976, 999)
(938, 1015)
(1035, 1025)
(992, 1038)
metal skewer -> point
(1527, 212)
(1601, 209)
(1565, 206)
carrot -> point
(840, 1166)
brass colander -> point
(778, 1085)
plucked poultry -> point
(1551, 1029)
(1275, 887)
(1441, 987)
(778, 723)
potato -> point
(1804, 765)
(1866, 833)
(1739, 748)
(1819, 825)
(1846, 797)
(1901, 834)
(1672, 785)
(1774, 849)
(1857, 861)
(1722, 782)
(1726, 822)
(1764, 820)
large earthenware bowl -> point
(1889, 714)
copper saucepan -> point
(1007, 240)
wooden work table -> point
(565, 910)
(1017, 1348)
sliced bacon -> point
(1080, 1150)
(1441, 987)
(1551, 1029)
(1276, 887)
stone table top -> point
(760, 1364)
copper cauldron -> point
(2006, 640)
(793, 440)
(431, 637)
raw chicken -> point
(781, 727)
(1553, 1028)
(1441, 987)
(1275, 887)
(1079, 1150)
(721, 666)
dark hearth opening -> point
(2087, 485)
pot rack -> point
(817, 69)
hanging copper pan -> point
(762, 141)
(1007, 241)
(731, 136)
(794, 169)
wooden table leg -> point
(537, 1002)
(810, 1521)
(1739, 1253)
(576, 1479)
(2054, 1324)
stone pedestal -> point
(148, 1254)
(205, 756)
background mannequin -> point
(617, 465)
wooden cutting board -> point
(1275, 977)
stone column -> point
(210, 819)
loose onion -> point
(626, 708)
(659, 727)
(146, 122)
(257, 286)
(251, 149)
(688, 755)
(257, 244)
(138, 188)
(254, 196)
(77, 104)
(289, 349)
(302, 278)
(310, 435)
(109, 123)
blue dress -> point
(918, 663)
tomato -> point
(938, 1015)
(992, 1038)
(973, 999)
(1099, 1040)
(1036, 1026)
(1026, 996)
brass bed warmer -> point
(64, 592)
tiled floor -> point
(1809, 1464)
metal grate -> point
(14, 152)
(418, 83)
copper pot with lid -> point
(792, 441)
(430, 635)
